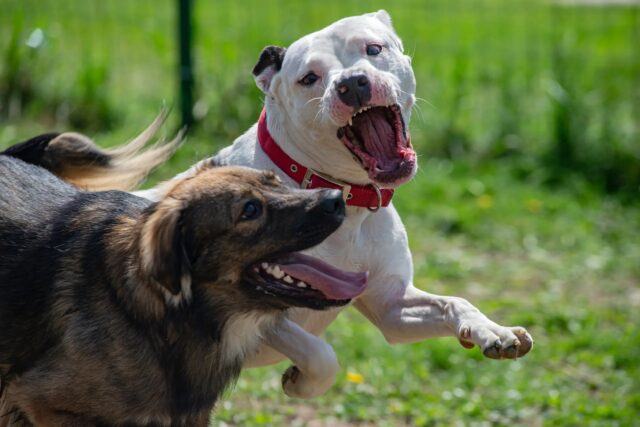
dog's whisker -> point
(317, 98)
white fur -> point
(243, 334)
(304, 122)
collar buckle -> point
(344, 187)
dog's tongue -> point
(334, 283)
(378, 137)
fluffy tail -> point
(78, 160)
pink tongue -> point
(332, 282)
(378, 137)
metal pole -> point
(185, 61)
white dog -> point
(336, 114)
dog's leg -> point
(406, 314)
(315, 363)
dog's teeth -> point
(302, 284)
(350, 121)
(277, 273)
(264, 265)
(288, 279)
(256, 269)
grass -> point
(529, 118)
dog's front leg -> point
(315, 363)
(406, 314)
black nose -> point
(332, 203)
(355, 91)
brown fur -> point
(119, 311)
(76, 159)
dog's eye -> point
(374, 49)
(309, 79)
(251, 210)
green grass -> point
(529, 114)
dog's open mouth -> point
(307, 280)
(378, 138)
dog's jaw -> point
(378, 138)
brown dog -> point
(118, 311)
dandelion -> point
(355, 378)
(534, 205)
(485, 201)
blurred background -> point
(526, 203)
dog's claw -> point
(525, 342)
(511, 348)
(290, 376)
(511, 352)
(466, 344)
(493, 351)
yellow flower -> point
(534, 205)
(352, 377)
(485, 201)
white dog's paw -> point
(296, 384)
(495, 341)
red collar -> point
(364, 196)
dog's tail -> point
(78, 160)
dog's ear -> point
(382, 16)
(164, 259)
(268, 65)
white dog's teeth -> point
(350, 123)
(302, 284)
(264, 265)
(288, 279)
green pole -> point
(185, 70)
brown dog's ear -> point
(163, 255)
(268, 65)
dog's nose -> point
(355, 91)
(332, 204)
